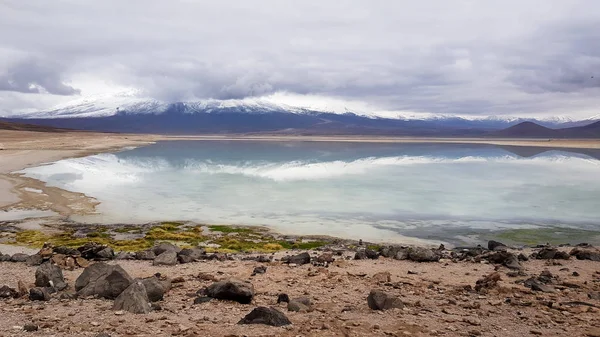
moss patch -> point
(231, 229)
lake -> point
(413, 193)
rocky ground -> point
(331, 291)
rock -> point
(165, 247)
(66, 251)
(125, 256)
(283, 298)
(19, 257)
(379, 300)
(34, 260)
(586, 254)
(232, 290)
(49, 275)
(30, 327)
(488, 282)
(22, 288)
(325, 258)
(145, 255)
(102, 280)
(367, 253)
(536, 285)
(401, 255)
(595, 295)
(259, 270)
(8, 292)
(155, 288)
(548, 253)
(382, 277)
(299, 304)
(300, 259)
(200, 300)
(4, 258)
(419, 254)
(133, 299)
(188, 255)
(507, 259)
(167, 258)
(39, 294)
(103, 334)
(105, 254)
(495, 245)
(267, 316)
(522, 257)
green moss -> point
(128, 230)
(98, 235)
(170, 226)
(374, 247)
(231, 229)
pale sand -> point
(21, 149)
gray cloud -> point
(465, 57)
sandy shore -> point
(21, 149)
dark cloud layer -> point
(461, 57)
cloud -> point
(461, 57)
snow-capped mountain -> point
(131, 112)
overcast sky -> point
(479, 57)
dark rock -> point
(401, 255)
(363, 254)
(145, 255)
(522, 257)
(70, 295)
(39, 294)
(133, 299)
(264, 259)
(267, 316)
(66, 251)
(232, 290)
(125, 256)
(155, 288)
(259, 270)
(49, 275)
(34, 260)
(299, 259)
(188, 255)
(105, 254)
(419, 254)
(549, 253)
(586, 254)
(102, 280)
(19, 257)
(167, 258)
(5, 258)
(536, 285)
(283, 298)
(506, 259)
(379, 300)
(165, 247)
(495, 245)
(30, 327)
(325, 258)
(390, 251)
(8, 292)
(200, 300)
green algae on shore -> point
(551, 235)
(215, 238)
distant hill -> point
(533, 130)
(29, 127)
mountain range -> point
(127, 113)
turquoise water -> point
(382, 192)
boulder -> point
(133, 299)
(30, 327)
(267, 316)
(105, 254)
(585, 254)
(188, 255)
(401, 255)
(283, 298)
(325, 258)
(495, 245)
(299, 259)
(19, 257)
(39, 294)
(299, 304)
(145, 255)
(50, 275)
(166, 258)
(4, 258)
(420, 254)
(367, 253)
(155, 288)
(125, 256)
(95, 251)
(34, 260)
(102, 280)
(165, 247)
(66, 251)
(506, 259)
(551, 253)
(536, 285)
(379, 300)
(8, 292)
(259, 270)
(232, 290)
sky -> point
(464, 57)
